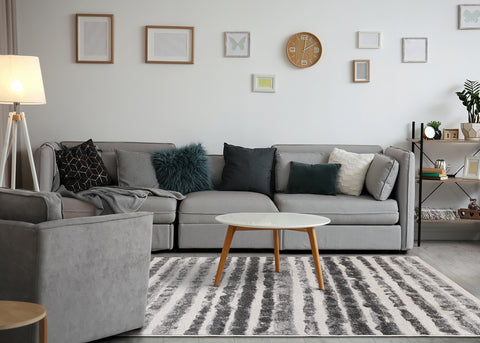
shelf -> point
(450, 141)
(449, 180)
(456, 221)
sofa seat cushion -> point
(341, 209)
(203, 207)
(163, 209)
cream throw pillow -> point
(351, 176)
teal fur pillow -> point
(183, 170)
(313, 178)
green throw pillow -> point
(313, 178)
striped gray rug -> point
(364, 295)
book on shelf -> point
(444, 177)
(433, 174)
(432, 170)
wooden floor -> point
(460, 261)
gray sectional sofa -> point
(356, 222)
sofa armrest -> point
(96, 267)
(404, 193)
(46, 167)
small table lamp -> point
(20, 83)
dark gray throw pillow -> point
(313, 178)
(183, 170)
(135, 169)
(248, 169)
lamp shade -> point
(21, 80)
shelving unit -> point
(419, 143)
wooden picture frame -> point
(264, 83)
(94, 38)
(169, 44)
(415, 50)
(237, 44)
(450, 134)
(471, 168)
(368, 40)
(361, 71)
(469, 17)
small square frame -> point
(471, 168)
(169, 44)
(237, 44)
(264, 83)
(368, 40)
(415, 50)
(361, 71)
(94, 38)
(469, 17)
(450, 134)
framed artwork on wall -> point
(361, 71)
(94, 38)
(368, 40)
(264, 83)
(469, 17)
(237, 44)
(471, 168)
(415, 50)
(169, 44)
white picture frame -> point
(368, 40)
(169, 44)
(469, 17)
(361, 71)
(264, 83)
(414, 50)
(237, 44)
(94, 38)
(471, 168)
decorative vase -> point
(471, 131)
(438, 134)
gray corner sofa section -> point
(361, 223)
(164, 209)
(92, 286)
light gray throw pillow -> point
(135, 169)
(381, 176)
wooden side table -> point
(15, 314)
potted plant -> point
(470, 98)
(436, 124)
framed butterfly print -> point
(237, 44)
(469, 17)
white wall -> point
(211, 101)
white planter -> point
(471, 131)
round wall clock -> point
(304, 49)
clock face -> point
(304, 49)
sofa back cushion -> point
(311, 154)
(109, 157)
(29, 206)
(135, 169)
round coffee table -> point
(15, 314)
(271, 221)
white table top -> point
(274, 220)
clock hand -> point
(305, 49)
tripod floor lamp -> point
(20, 84)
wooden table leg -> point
(316, 255)
(226, 248)
(276, 244)
(43, 330)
